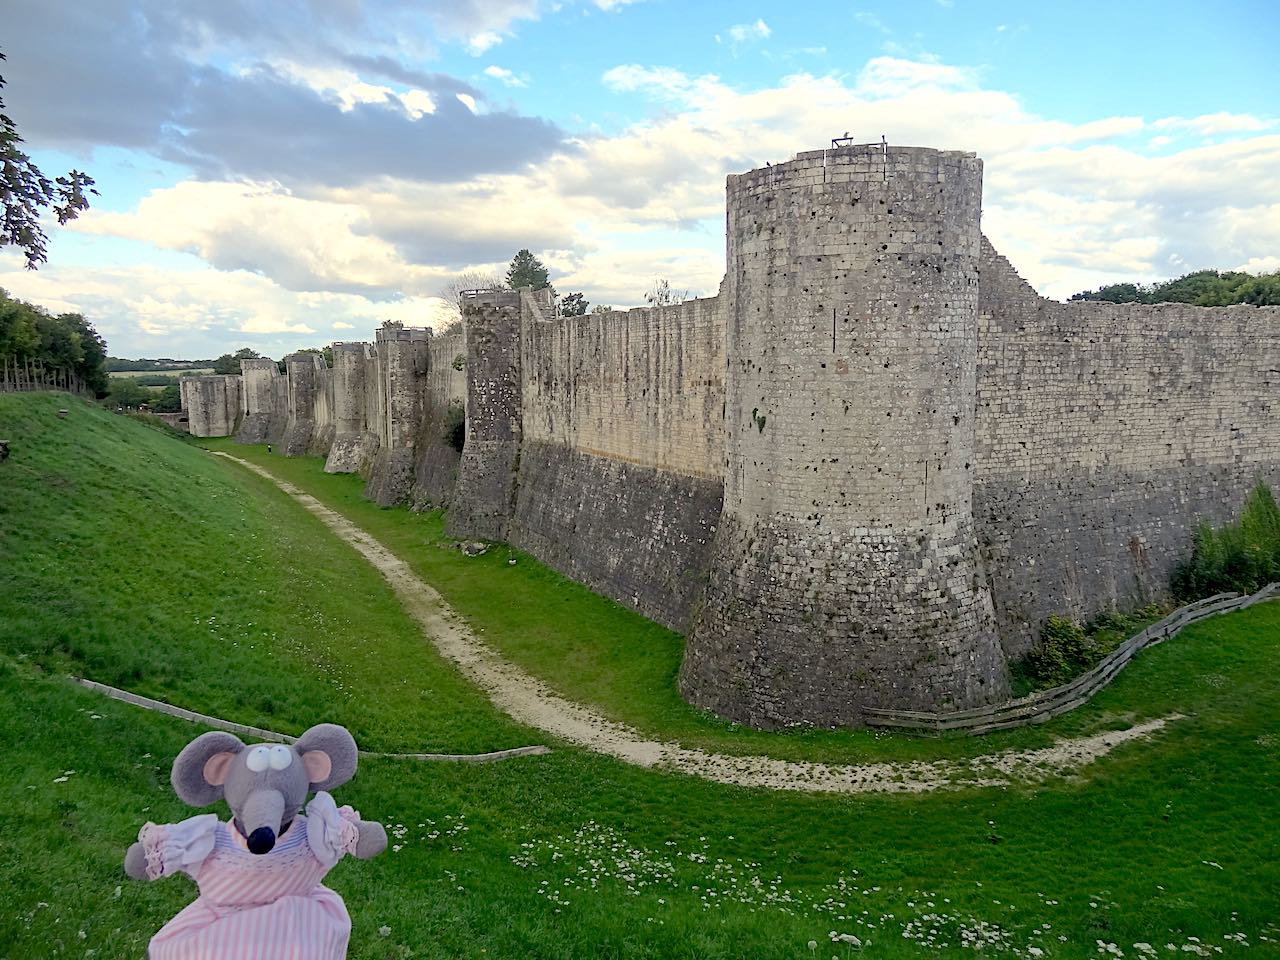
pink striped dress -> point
(255, 906)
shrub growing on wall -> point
(1240, 557)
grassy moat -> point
(139, 560)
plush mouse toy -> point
(259, 873)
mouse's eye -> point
(259, 759)
(281, 757)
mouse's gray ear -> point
(202, 767)
(330, 755)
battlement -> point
(867, 163)
(497, 298)
(398, 333)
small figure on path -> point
(259, 873)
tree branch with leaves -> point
(26, 192)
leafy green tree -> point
(61, 351)
(527, 271)
(168, 400)
(127, 392)
(229, 363)
(25, 191)
(1201, 288)
(602, 308)
(573, 305)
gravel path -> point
(529, 701)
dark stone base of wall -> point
(1089, 541)
(297, 438)
(635, 534)
(434, 476)
(390, 478)
(483, 502)
(351, 453)
(258, 428)
(321, 440)
(801, 628)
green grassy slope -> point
(142, 562)
(117, 545)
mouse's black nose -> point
(262, 840)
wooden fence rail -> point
(1046, 704)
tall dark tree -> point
(527, 271)
(574, 305)
(25, 191)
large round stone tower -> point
(846, 571)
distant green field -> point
(143, 562)
(177, 372)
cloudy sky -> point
(287, 173)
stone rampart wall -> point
(859, 478)
(619, 479)
(1106, 433)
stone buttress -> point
(355, 440)
(845, 572)
(212, 404)
(402, 360)
(486, 489)
(265, 402)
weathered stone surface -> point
(634, 533)
(309, 425)
(1106, 433)
(845, 573)
(355, 442)
(265, 394)
(483, 502)
(212, 404)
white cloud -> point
(506, 77)
(1268, 264)
(743, 32)
(478, 43)
(345, 88)
(342, 325)
(1211, 124)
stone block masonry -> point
(858, 479)
(212, 405)
(1106, 433)
(485, 498)
(265, 410)
(845, 572)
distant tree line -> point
(1203, 288)
(41, 350)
